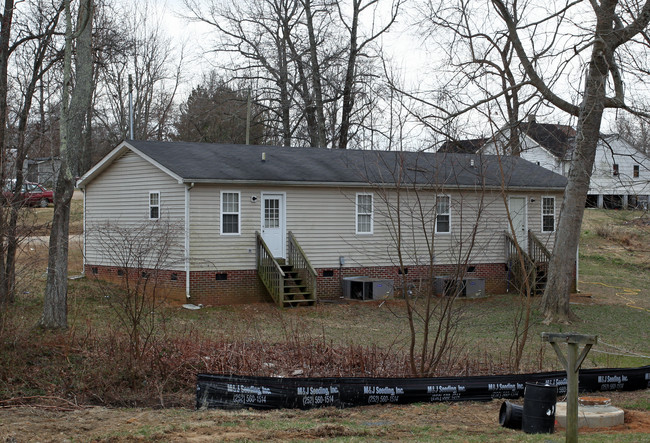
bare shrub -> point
(91, 364)
(621, 236)
(605, 231)
(141, 252)
(412, 211)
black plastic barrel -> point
(539, 408)
(510, 415)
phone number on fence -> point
(249, 399)
(383, 399)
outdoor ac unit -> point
(474, 287)
(366, 288)
(467, 287)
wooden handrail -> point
(268, 252)
(537, 250)
(269, 270)
(298, 259)
(294, 242)
(529, 270)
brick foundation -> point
(234, 287)
(206, 287)
(169, 284)
(329, 287)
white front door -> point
(518, 215)
(273, 223)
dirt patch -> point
(464, 420)
(582, 299)
(635, 422)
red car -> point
(33, 194)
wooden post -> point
(572, 367)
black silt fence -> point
(233, 391)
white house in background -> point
(621, 174)
(254, 218)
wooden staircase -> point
(291, 283)
(295, 291)
(535, 264)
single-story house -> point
(245, 214)
(621, 174)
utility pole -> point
(130, 107)
(248, 118)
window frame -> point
(223, 212)
(547, 215)
(636, 171)
(438, 214)
(358, 214)
(615, 169)
(158, 206)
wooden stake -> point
(572, 367)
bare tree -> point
(416, 209)
(317, 78)
(608, 29)
(32, 56)
(75, 105)
(615, 25)
(309, 61)
(37, 58)
(636, 130)
(5, 155)
(253, 35)
(133, 45)
(357, 44)
(5, 40)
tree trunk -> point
(5, 36)
(316, 77)
(302, 86)
(73, 119)
(55, 304)
(348, 86)
(285, 102)
(555, 302)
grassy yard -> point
(89, 363)
(42, 218)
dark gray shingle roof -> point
(469, 146)
(558, 139)
(203, 162)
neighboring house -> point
(333, 212)
(621, 173)
(42, 170)
(469, 146)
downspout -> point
(187, 239)
(83, 237)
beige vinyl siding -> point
(209, 249)
(324, 223)
(120, 195)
